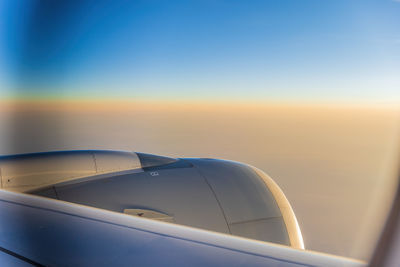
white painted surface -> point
(21, 174)
(278, 252)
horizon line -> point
(193, 102)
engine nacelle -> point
(217, 195)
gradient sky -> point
(345, 50)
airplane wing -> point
(186, 212)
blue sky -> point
(241, 50)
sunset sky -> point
(290, 50)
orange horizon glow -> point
(116, 104)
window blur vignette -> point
(308, 91)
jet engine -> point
(217, 195)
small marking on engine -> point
(154, 173)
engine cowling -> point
(217, 195)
